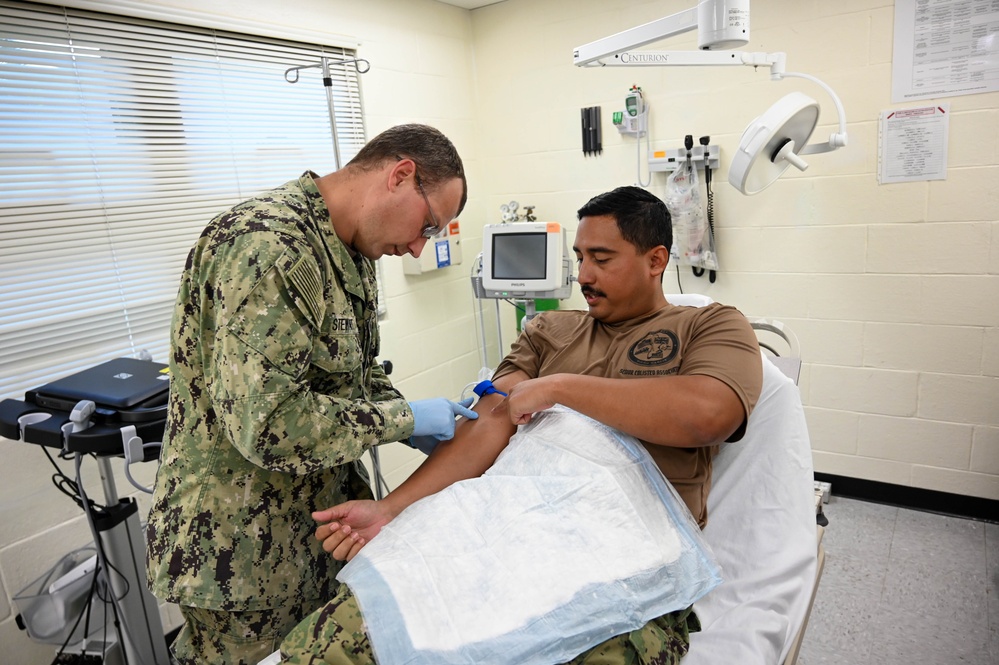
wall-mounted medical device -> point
(439, 252)
(699, 155)
(634, 120)
(524, 260)
(772, 142)
(592, 132)
(510, 212)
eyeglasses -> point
(430, 230)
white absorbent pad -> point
(572, 537)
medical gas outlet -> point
(633, 121)
(439, 252)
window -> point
(120, 138)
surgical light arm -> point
(721, 24)
(836, 139)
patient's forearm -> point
(684, 411)
(474, 448)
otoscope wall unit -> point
(669, 160)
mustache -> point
(590, 291)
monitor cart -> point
(117, 531)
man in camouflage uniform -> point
(275, 392)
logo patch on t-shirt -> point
(656, 348)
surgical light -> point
(773, 141)
(768, 145)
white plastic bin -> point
(50, 616)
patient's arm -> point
(683, 411)
(476, 445)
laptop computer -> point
(114, 386)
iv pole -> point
(328, 85)
(291, 76)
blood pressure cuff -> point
(572, 537)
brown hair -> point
(436, 158)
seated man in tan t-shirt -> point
(692, 376)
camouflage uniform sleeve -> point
(381, 388)
(290, 398)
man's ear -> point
(658, 259)
(401, 170)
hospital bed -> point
(761, 524)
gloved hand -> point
(425, 444)
(434, 418)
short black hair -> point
(641, 216)
(437, 160)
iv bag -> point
(693, 242)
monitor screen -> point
(519, 256)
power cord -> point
(74, 490)
(67, 485)
(704, 141)
(119, 615)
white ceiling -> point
(470, 4)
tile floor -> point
(902, 586)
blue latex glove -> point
(434, 421)
(425, 444)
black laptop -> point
(120, 386)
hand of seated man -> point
(529, 397)
(345, 528)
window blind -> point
(120, 138)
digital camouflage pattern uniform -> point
(334, 635)
(274, 395)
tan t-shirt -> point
(715, 341)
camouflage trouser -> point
(236, 638)
(335, 635)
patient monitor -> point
(525, 260)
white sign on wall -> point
(912, 144)
(944, 48)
